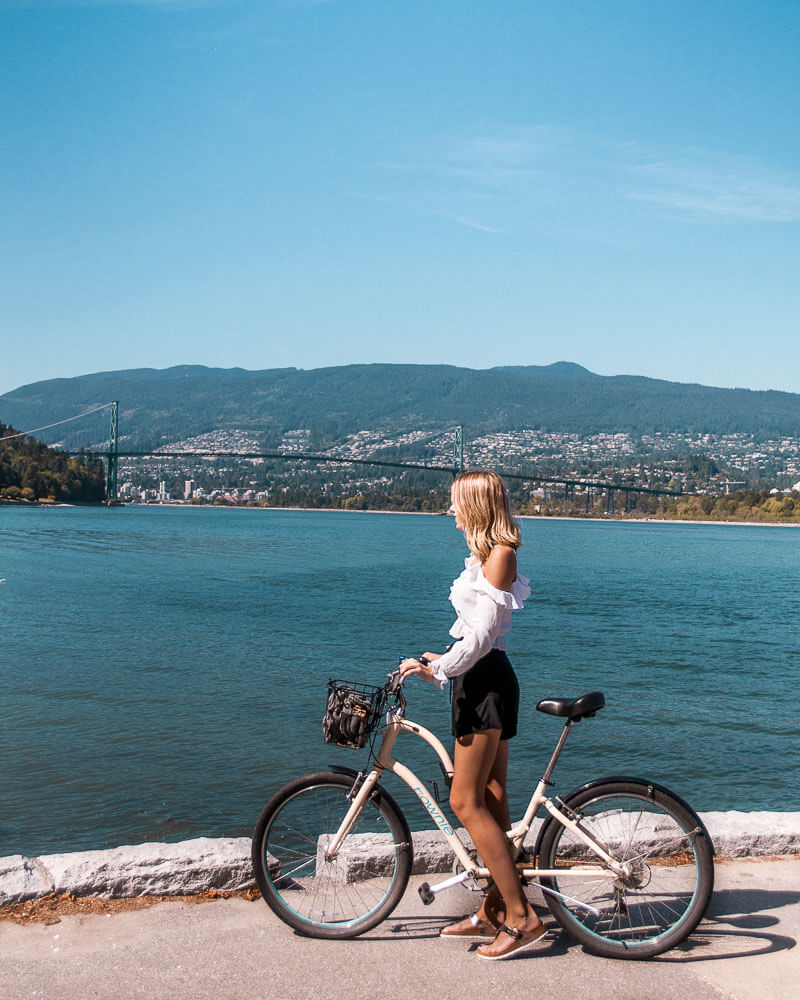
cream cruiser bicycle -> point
(625, 865)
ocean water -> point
(163, 670)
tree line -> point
(744, 506)
(32, 471)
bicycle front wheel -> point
(668, 869)
(324, 897)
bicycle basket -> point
(353, 712)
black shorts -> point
(486, 697)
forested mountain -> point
(162, 406)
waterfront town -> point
(700, 464)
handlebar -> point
(395, 687)
(396, 681)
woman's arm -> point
(499, 570)
(474, 644)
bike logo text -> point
(441, 821)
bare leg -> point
(496, 794)
(474, 759)
(492, 909)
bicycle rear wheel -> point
(669, 869)
(331, 898)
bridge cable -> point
(96, 409)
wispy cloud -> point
(462, 220)
(701, 185)
(565, 182)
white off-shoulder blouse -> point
(483, 622)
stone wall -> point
(195, 866)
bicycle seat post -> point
(557, 752)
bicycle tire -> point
(671, 869)
(339, 898)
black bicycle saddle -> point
(583, 707)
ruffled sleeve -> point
(513, 600)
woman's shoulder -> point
(500, 567)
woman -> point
(485, 698)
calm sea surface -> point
(163, 670)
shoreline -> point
(658, 520)
(223, 864)
(31, 504)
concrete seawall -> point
(194, 866)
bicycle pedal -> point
(425, 894)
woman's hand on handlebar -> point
(421, 666)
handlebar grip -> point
(395, 686)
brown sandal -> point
(519, 941)
(470, 927)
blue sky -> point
(319, 182)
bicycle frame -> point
(385, 761)
(626, 865)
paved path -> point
(235, 950)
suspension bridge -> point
(591, 488)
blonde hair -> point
(485, 511)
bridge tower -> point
(458, 450)
(113, 453)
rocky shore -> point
(223, 864)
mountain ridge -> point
(162, 405)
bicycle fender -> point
(644, 782)
(649, 787)
(344, 770)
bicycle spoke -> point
(662, 886)
(322, 896)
